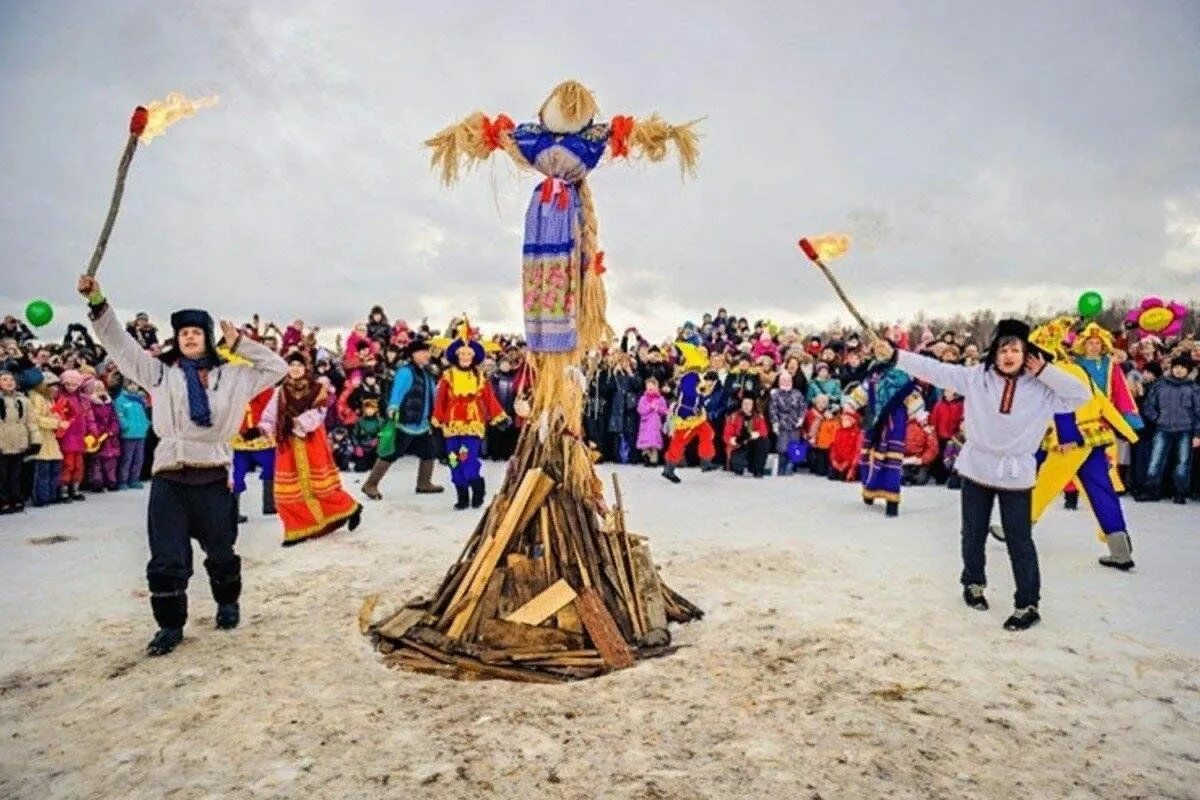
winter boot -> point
(74, 494)
(1147, 496)
(478, 490)
(464, 497)
(268, 503)
(868, 501)
(1071, 501)
(62, 495)
(669, 473)
(370, 486)
(225, 580)
(168, 601)
(1180, 499)
(425, 484)
(242, 519)
(973, 596)
(355, 519)
(893, 509)
(707, 465)
(166, 640)
(1120, 551)
(1023, 619)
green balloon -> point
(1090, 304)
(39, 313)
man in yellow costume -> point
(1075, 448)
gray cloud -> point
(979, 153)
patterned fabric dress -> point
(552, 271)
(881, 467)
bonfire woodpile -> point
(549, 588)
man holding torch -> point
(199, 401)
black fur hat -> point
(195, 318)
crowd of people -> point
(778, 401)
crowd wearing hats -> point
(70, 416)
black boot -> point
(166, 640)
(1071, 501)
(973, 596)
(1147, 496)
(225, 580)
(478, 490)
(75, 495)
(168, 601)
(242, 519)
(355, 519)
(269, 499)
(1023, 619)
(464, 497)
(669, 473)
(707, 465)
(1180, 499)
(893, 509)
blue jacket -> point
(131, 415)
(1173, 405)
(401, 387)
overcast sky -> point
(981, 153)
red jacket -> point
(847, 446)
(919, 444)
(735, 421)
(947, 417)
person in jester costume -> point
(689, 419)
(1076, 450)
(463, 408)
(1092, 351)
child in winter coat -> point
(820, 426)
(76, 410)
(47, 461)
(746, 439)
(787, 417)
(652, 410)
(105, 452)
(134, 421)
(366, 435)
(946, 419)
(19, 437)
(824, 383)
(846, 449)
(343, 449)
(920, 452)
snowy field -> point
(836, 661)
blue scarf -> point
(198, 408)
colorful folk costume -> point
(462, 409)
(254, 449)
(1106, 373)
(198, 405)
(308, 486)
(689, 418)
(1076, 449)
(562, 284)
(887, 402)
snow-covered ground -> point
(836, 660)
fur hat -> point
(417, 345)
(196, 318)
(1183, 360)
(1011, 329)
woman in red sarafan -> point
(308, 489)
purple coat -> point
(652, 409)
(83, 422)
(106, 420)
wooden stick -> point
(637, 612)
(841, 293)
(114, 205)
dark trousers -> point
(178, 513)
(46, 476)
(1016, 509)
(501, 444)
(750, 457)
(10, 479)
(420, 446)
(133, 453)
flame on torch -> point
(820, 249)
(162, 114)
(147, 122)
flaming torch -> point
(820, 249)
(146, 123)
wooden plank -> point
(603, 631)
(497, 634)
(649, 590)
(624, 555)
(401, 623)
(544, 606)
(365, 613)
(544, 538)
(568, 619)
(489, 604)
(490, 554)
(526, 580)
(537, 497)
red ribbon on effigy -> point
(619, 132)
(492, 131)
